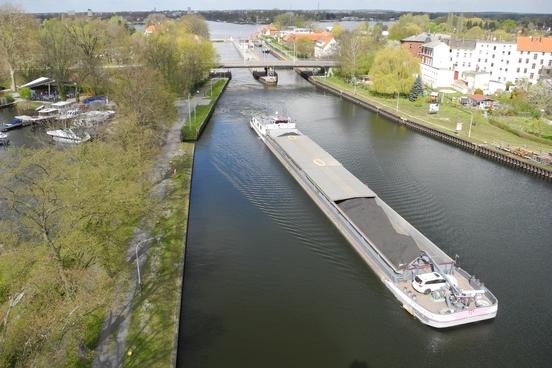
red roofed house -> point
(270, 30)
(325, 46)
(483, 102)
(150, 29)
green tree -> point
(58, 51)
(417, 89)
(304, 48)
(90, 39)
(337, 30)
(408, 25)
(18, 44)
(393, 71)
(474, 33)
(194, 24)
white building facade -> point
(503, 61)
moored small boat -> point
(68, 136)
(4, 140)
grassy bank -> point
(153, 325)
(192, 129)
(482, 132)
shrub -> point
(25, 93)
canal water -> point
(269, 281)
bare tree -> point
(17, 33)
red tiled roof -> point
(534, 44)
(324, 37)
(480, 98)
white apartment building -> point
(503, 61)
(436, 68)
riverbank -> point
(200, 115)
(153, 331)
(142, 325)
(440, 131)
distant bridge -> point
(278, 64)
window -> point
(517, 71)
(527, 61)
(493, 56)
(509, 52)
(535, 56)
(525, 70)
(531, 76)
(494, 48)
(492, 64)
(519, 61)
(533, 66)
(542, 61)
(479, 60)
(550, 63)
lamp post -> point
(189, 111)
(137, 260)
(471, 122)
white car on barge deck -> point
(395, 250)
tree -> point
(143, 96)
(58, 52)
(357, 51)
(17, 40)
(540, 96)
(337, 30)
(393, 71)
(474, 33)
(304, 47)
(90, 38)
(289, 19)
(408, 25)
(194, 24)
(417, 89)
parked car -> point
(425, 283)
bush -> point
(25, 93)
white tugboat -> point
(261, 124)
(427, 282)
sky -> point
(526, 6)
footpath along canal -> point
(270, 282)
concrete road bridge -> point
(278, 64)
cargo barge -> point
(427, 282)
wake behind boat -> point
(427, 282)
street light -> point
(137, 245)
(471, 122)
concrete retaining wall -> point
(483, 151)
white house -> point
(325, 47)
(436, 68)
